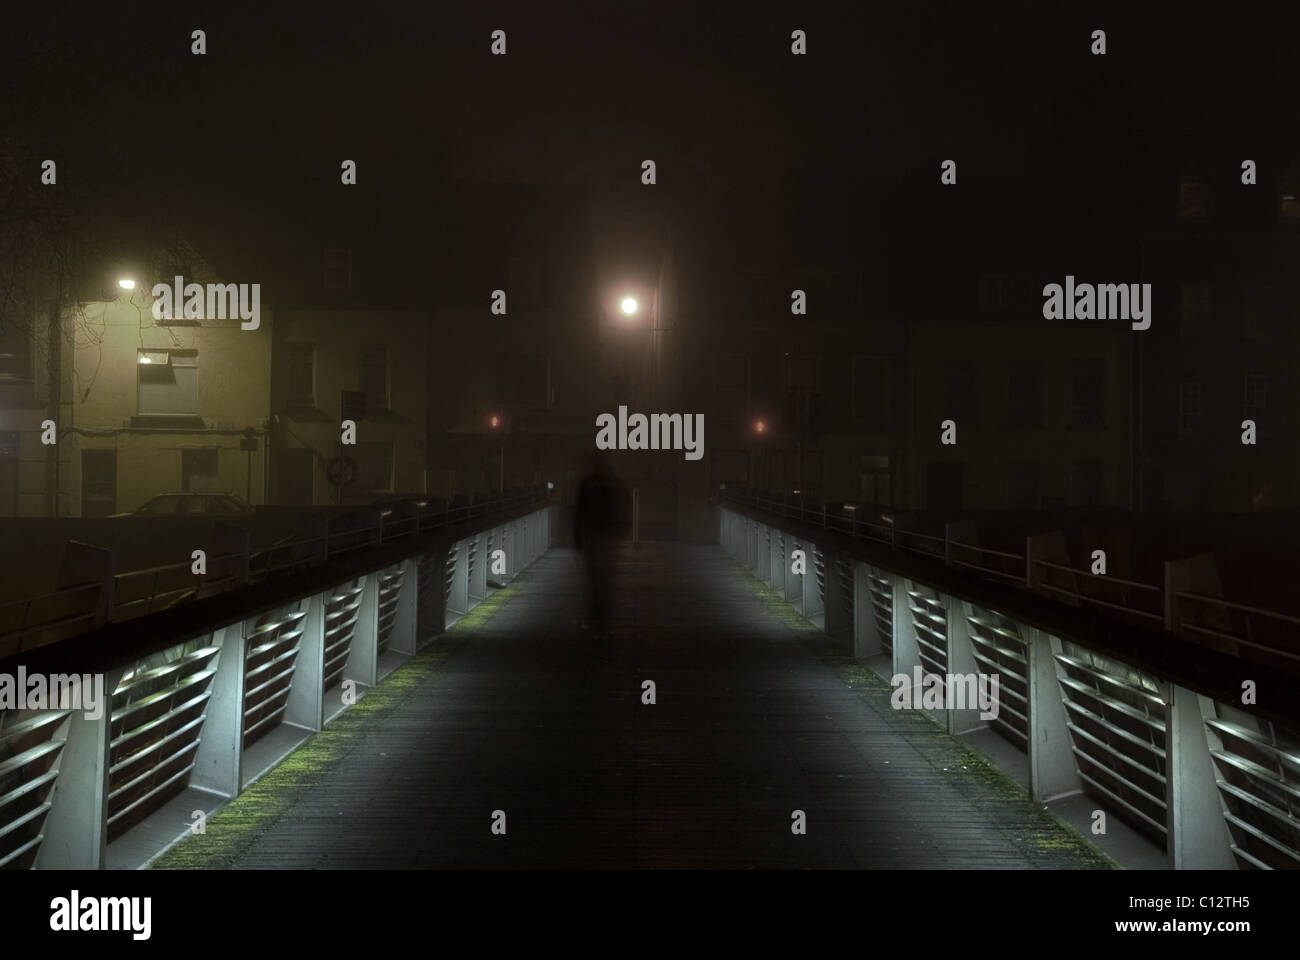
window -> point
(199, 470)
(1022, 484)
(338, 268)
(374, 467)
(525, 280)
(1191, 406)
(961, 397)
(1256, 392)
(372, 380)
(167, 382)
(1088, 393)
(15, 355)
(98, 483)
(1194, 310)
(731, 387)
(871, 381)
(1195, 199)
(302, 374)
(1085, 483)
(1258, 311)
(876, 480)
(1025, 392)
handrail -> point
(260, 565)
(1106, 577)
(1023, 577)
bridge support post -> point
(523, 542)
(840, 598)
(1198, 834)
(363, 661)
(510, 543)
(476, 585)
(776, 562)
(794, 581)
(962, 663)
(760, 554)
(76, 828)
(405, 636)
(458, 600)
(866, 632)
(1052, 771)
(306, 704)
(219, 761)
(432, 615)
(907, 652)
(814, 603)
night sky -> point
(587, 90)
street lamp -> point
(494, 422)
(126, 283)
(629, 306)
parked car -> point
(192, 504)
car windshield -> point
(162, 505)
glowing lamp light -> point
(126, 283)
(628, 305)
(495, 421)
(760, 426)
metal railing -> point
(80, 608)
(1212, 621)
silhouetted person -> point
(598, 525)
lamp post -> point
(494, 422)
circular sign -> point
(341, 471)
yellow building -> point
(144, 402)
